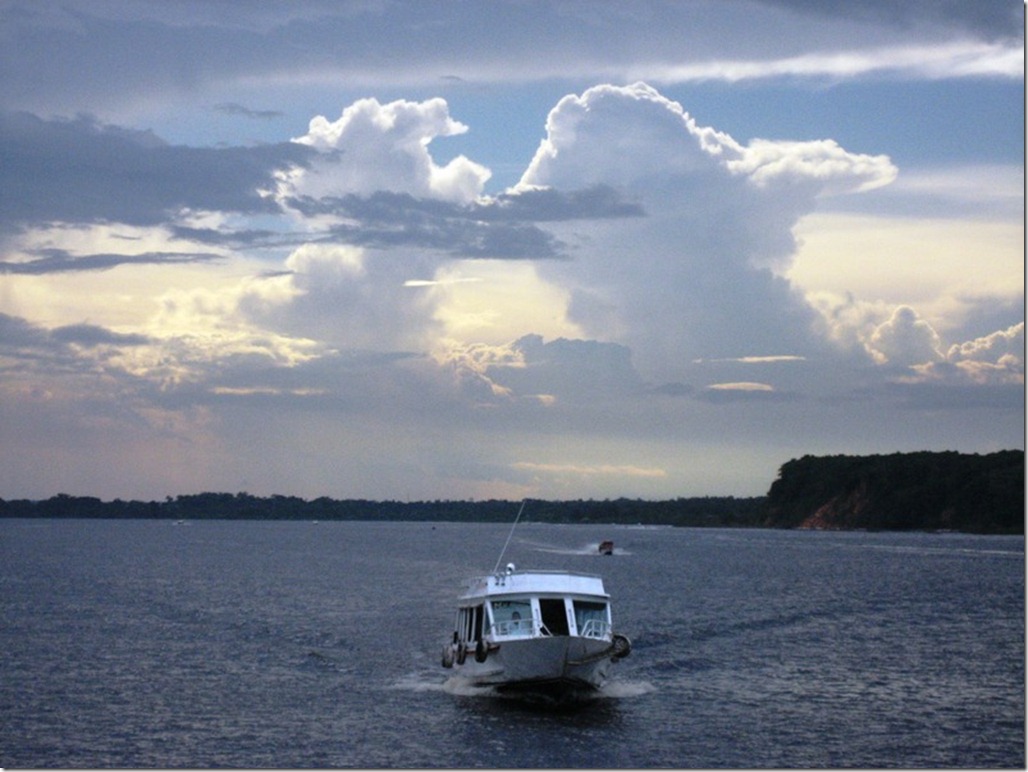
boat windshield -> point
(513, 617)
(591, 618)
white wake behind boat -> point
(545, 633)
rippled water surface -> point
(257, 644)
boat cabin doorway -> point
(554, 616)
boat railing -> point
(595, 628)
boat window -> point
(462, 624)
(591, 618)
(476, 627)
(513, 617)
(555, 617)
(469, 623)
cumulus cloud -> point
(650, 140)
(905, 340)
(992, 360)
(699, 274)
(347, 297)
(374, 182)
(987, 372)
(998, 345)
(821, 166)
(672, 236)
(917, 362)
(373, 147)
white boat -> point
(538, 633)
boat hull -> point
(554, 666)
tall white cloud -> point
(1000, 344)
(699, 275)
(905, 340)
(995, 359)
(348, 297)
(373, 147)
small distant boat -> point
(606, 547)
(535, 633)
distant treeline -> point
(903, 491)
(725, 511)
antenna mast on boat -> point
(499, 559)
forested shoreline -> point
(902, 491)
(944, 491)
(702, 511)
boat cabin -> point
(531, 604)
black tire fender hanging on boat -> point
(481, 651)
(447, 656)
(462, 652)
(622, 646)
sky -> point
(473, 250)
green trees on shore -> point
(902, 491)
(705, 511)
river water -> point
(297, 644)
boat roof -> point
(514, 582)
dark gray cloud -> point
(944, 395)
(532, 205)
(19, 337)
(991, 19)
(503, 227)
(77, 52)
(568, 368)
(61, 58)
(398, 219)
(222, 237)
(234, 108)
(80, 171)
(61, 261)
(17, 333)
(94, 335)
(675, 390)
